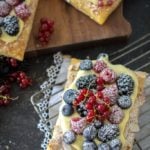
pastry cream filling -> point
(6, 37)
(65, 121)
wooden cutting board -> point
(73, 28)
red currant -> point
(83, 91)
(92, 100)
(90, 116)
(107, 100)
(89, 106)
(99, 94)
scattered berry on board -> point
(10, 73)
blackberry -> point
(70, 95)
(103, 146)
(1, 21)
(86, 64)
(108, 132)
(98, 124)
(124, 102)
(125, 84)
(88, 81)
(11, 25)
(81, 110)
(115, 144)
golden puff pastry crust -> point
(16, 48)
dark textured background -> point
(18, 122)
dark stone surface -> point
(18, 121)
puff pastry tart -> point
(98, 10)
(99, 108)
(16, 19)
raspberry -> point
(86, 64)
(88, 81)
(99, 66)
(108, 132)
(5, 9)
(108, 75)
(22, 11)
(111, 92)
(13, 2)
(69, 137)
(78, 124)
(11, 25)
(124, 102)
(125, 84)
(116, 115)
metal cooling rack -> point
(135, 56)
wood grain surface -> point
(72, 27)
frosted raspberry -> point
(112, 93)
(78, 124)
(5, 9)
(22, 11)
(116, 115)
(13, 2)
(108, 75)
(99, 66)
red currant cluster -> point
(9, 74)
(21, 77)
(45, 30)
(97, 106)
(4, 95)
(101, 3)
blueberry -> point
(97, 124)
(69, 137)
(104, 55)
(67, 110)
(89, 145)
(70, 95)
(124, 102)
(86, 64)
(115, 144)
(103, 146)
(90, 132)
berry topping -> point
(108, 75)
(98, 124)
(115, 144)
(70, 95)
(81, 110)
(103, 146)
(69, 137)
(78, 124)
(108, 132)
(116, 115)
(99, 66)
(11, 25)
(86, 64)
(102, 55)
(89, 145)
(125, 84)
(90, 132)
(22, 11)
(67, 110)
(88, 81)
(13, 2)
(5, 9)
(124, 102)
(111, 92)
(1, 21)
